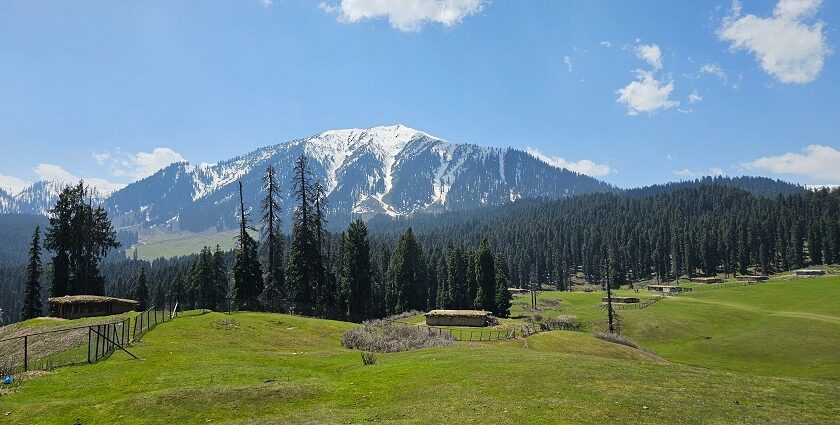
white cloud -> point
(54, 172)
(670, 157)
(712, 171)
(12, 184)
(786, 45)
(694, 97)
(651, 54)
(405, 15)
(815, 161)
(713, 69)
(606, 44)
(568, 61)
(266, 3)
(584, 166)
(646, 94)
(138, 165)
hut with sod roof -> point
(475, 318)
(76, 306)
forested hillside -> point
(698, 231)
(703, 230)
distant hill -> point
(760, 186)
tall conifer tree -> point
(32, 291)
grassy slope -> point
(781, 328)
(275, 368)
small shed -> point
(518, 291)
(809, 272)
(459, 318)
(621, 300)
(76, 306)
(751, 278)
(712, 279)
(667, 289)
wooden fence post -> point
(26, 353)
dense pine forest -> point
(449, 260)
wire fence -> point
(476, 335)
(147, 320)
(23, 350)
(54, 348)
(636, 306)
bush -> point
(565, 322)
(387, 336)
(368, 359)
(618, 339)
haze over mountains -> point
(395, 171)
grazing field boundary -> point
(50, 349)
(524, 330)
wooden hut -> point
(751, 278)
(621, 300)
(712, 279)
(76, 306)
(459, 318)
(518, 291)
(809, 272)
(667, 289)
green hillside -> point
(768, 361)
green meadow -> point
(762, 354)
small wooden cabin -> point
(76, 306)
(621, 300)
(809, 272)
(751, 278)
(475, 318)
(668, 289)
(518, 291)
(712, 279)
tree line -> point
(342, 276)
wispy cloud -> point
(815, 162)
(137, 165)
(650, 53)
(57, 173)
(12, 184)
(712, 171)
(405, 15)
(568, 61)
(584, 166)
(785, 44)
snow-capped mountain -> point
(393, 170)
(39, 197)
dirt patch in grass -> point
(226, 324)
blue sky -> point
(634, 93)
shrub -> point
(565, 322)
(618, 339)
(387, 336)
(538, 317)
(368, 359)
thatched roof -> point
(88, 299)
(459, 313)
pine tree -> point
(32, 291)
(355, 271)
(79, 236)
(406, 276)
(304, 265)
(176, 291)
(274, 292)
(247, 271)
(141, 291)
(503, 299)
(485, 276)
(325, 289)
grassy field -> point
(172, 244)
(780, 328)
(759, 366)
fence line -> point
(54, 348)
